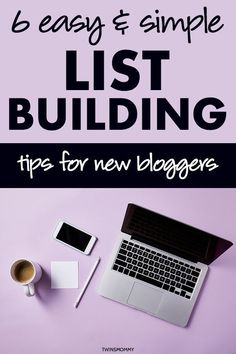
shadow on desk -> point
(44, 292)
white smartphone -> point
(74, 237)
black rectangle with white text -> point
(118, 165)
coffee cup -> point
(26, 273)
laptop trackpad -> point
(145, 298)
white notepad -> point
(64, 275)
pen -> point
(87, 282)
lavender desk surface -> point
(48, 323)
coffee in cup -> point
(27, 273)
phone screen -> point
(73, 237)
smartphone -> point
(74, 237)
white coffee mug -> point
(26, 273)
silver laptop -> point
(158, 265)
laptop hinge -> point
(164, 247)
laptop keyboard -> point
(157, 269)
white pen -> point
(87, 282)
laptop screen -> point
(173, 236)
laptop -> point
(158, 265)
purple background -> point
(49, 323)
(32, 66)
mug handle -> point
(29, 289)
